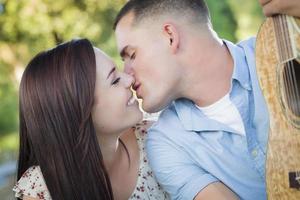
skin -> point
(114, 155)
(216, 191)
(176, 61)
(289, 7)
(169, 60)
(149, 75)
(29, 198)
(113, 120)
(164, 66)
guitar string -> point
(286, 44)
(294, 75)
(281, 58)
(287, 56)
(297, 178)
(297, 61)
(278, 35)
(296, 99)
(290, 70)
(282, 54)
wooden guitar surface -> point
(283, 151)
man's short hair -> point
(195, 10)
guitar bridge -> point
(294, 179)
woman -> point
(77, 139)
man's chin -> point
(151, 108)
(147, 108)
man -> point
(210, 141)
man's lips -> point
(136, 86)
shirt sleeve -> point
(32, 184)
(174, 169)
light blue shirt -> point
(187, 151)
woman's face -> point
(115, 108)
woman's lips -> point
(136, 87)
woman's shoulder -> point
(147, 185)
(141, 128)
(32, 184)
(137, 133)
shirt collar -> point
(193, 119)
(240, 68)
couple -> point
(81, 134)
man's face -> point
(147, 56)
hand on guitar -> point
(288, 7)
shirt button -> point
(254, 153)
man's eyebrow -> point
(111, 71)
(123, 52)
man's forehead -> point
(127, 19)
(124, 32)
(125, 24)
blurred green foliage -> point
(223, 19)
(248, 15)
(29, 26)
(8, 100)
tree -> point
(223, 19)
(30, 26)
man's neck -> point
(207, 84)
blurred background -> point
(30, 26)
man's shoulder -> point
(249, 43)
(167, 116)
(248, 47)
(167, 122)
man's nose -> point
(128, 69)
(129, 80)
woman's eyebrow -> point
(111, 71)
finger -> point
(264, 2)
(271, 8)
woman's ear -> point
(172, 35)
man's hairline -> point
(138, 22)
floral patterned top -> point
(147, 186)
(32, 182)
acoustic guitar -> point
(278, 68)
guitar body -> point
(274, 67)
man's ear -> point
(172, 35)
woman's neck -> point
(121, 161)
(113, 151)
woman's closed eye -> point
(117, 80)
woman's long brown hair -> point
(56, 127)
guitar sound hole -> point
(291, 80)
